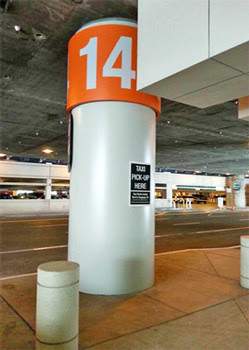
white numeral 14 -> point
(123, 47)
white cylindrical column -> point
(112, 241)
(48, 189)
(244, 261)
(169, 194)
(240, 193)
(111, 223)
(57, 309)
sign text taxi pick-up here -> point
(139, 184)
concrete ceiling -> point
(33, 90)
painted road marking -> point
(33, 249)
(187, 223)
(162, 218)
(159, 214)
(52, 225)
(18, 276)
(199, 232)
(196, 249)
(27, 220)
(169, 235)
(157, 254)
(186, 213)
(224, 229)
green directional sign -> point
(236, 186)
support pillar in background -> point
(229, 192)
(239, 187)
(111, 222)
(169, 194)
(48, 189)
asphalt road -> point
(27, 242)
(200, 230)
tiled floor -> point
(196, 303)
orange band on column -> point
(102, 64)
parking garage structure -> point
(151, 197)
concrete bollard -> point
(57, 309)
(244, 261)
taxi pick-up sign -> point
(139, 184)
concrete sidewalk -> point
(196, 303)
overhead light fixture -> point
(17, 28)
(47, 151)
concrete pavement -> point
(196, 304)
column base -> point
(244, 282)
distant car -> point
(6, 195)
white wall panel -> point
(19, 169)
(169, 33)
(191, 180)
(33, 206)
(59, 172)
(192, 49)
(229, 24)
(31, 170)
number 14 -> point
(125, 73)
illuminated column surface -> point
(48, 189)
(239, 187)
(111, 223)
(169, 194)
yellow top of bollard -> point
(55, 274)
